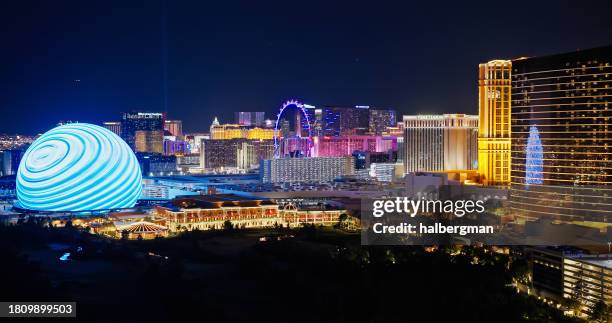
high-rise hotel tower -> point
(494, 124)
(440, 142)
(561, 136)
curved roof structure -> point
(78, 167)
(144, 227)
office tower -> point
(255, 119)
(440, 142)
(151, 122)
(149, 141)
(561, 153)
(380, 119)
(113, 126)
(306, 169)
(175, 127)
(494, 132)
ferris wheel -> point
(287, 106)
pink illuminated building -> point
(346, 145)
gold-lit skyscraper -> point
(494, 91)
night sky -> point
(91, 60)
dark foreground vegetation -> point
(276, 275)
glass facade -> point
(561, 128)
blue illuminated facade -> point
(534, 164)
(78, 167)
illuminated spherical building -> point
(78, 167)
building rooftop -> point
(600, 260)
(213, 201)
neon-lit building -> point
(440, 142)
(561, 158)
(347, 145)
(494, 90)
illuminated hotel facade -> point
(241, 154)
(494, 96)
(206, 212)
(440, 142)
(305, 169)
(561, 144)
(236, 131)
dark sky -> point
(225, 56)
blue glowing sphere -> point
(78, 167)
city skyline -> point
(386, 56)
(310, 202)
